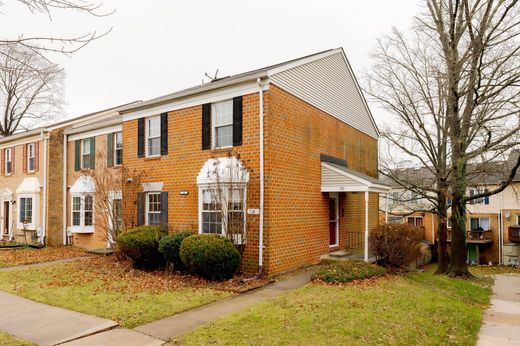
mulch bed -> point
(21, 256)
(118, 275)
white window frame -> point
(116, 135)
(202, 188)
(214, 124)
(482, 200)
(31, 148)
(82, 228)
(35, 211)
(83, 154)
(448, 222)
(518, 219)
(147, 208)
(415, 218)
(479, 222)
(148, 137)
(8, 153)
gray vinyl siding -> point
(328, 84)
(332, 179)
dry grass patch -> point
(27, 255)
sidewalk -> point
(184, 322)
(501, 322)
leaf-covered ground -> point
(103, 287)
(411, 309)
(28, 255)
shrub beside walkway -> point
(501, 322)
(184, 322)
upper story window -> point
(479, 223)
(222, 124)
(482, 200)
(118, 148)
(8, 161)
(153, 208)
(86, 153)
(153, 136)
(518, 219)
(31, 154)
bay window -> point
(82, 213)
(26, 210)
(219, 203)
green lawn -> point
(9, 340)
(413, 309)
(102, 288)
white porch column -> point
(386, 208)
(366, 226)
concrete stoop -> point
(344, 256)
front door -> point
(333, 221)
(7, 218)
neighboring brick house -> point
(305, 137)
(493, 223)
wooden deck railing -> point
(514, 234)
(475, 236)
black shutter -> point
(237, 121)
(164, 134)
(92, 152)
(110, 150)
(206, 126)
(164, 210)
(77, 153)
(140, 137)
(140, 208)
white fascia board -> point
(21, 141)
(300, 62)
(339, 188)
(196, 100)
(94, 133)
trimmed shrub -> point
(210, 256)
(396, 245)
(169, 247)
(141, 245)
(348, 271)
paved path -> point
(45, 324)
(43, 264)
(184, 322)
(501, 323)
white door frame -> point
(335, 196)
(7, 234)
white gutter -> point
(45, 154)
(261, 223)
(501, 231)
(366, 226)
(65, 241)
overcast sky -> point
(160, 46)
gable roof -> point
(324, 79)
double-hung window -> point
(222, 124)
(86, 155)
(211, 212)
(26, 210)
(153, 208)
(219, 203)
(83, 213)
(482, 200)
(30, 157)
(153, 136)
(518, 220)
(8, 161)
(118, 148)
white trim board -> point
(94, 133)
(196, 100)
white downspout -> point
(261, 222)
(45, 154)
(501, 231)
(366, 226)
(386, 208)
(65, 240)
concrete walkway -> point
(43, 264)
(501, 322)
(45, 324)
(184, 322)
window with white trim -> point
(153, 136)
(222, 124)
(83, 213)
(448, 222)
(86, 157)
(30, 157)
(518, 220)
(8, 161)
(153, 208)
(118, 148)
(26, 210)
(213, 209)
(482, 200)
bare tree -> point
(472, 51)
(30, 89)
(228, 193)
(67, 45)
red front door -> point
(7, 220)
(333, 221)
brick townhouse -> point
(306, 138)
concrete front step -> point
(345, 255)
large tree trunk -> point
(442, 247)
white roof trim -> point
(352, 182)
(84, 184)
(29, 186)
(5, 192)
(226, 169)
(300, 62)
